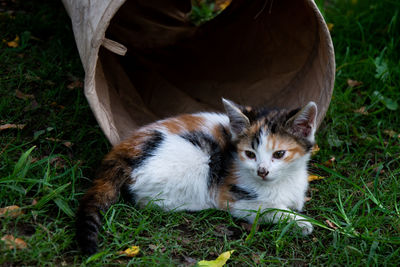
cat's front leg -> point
(271, 214)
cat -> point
(246, 160)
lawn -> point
(53, 145)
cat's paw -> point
(306, 227)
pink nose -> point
(262, 172)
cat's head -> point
(272, 144)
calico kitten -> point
(240, 161)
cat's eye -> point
(250, 154)
(278, 154)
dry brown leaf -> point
(222, 230)
(183, 240)
(11, 126)
(152, 247)
(353, 83)
(23, 96)
(189, 261)
(256, 258)
(53, 139)
(32, 106)
(75, 84)
(68, 144)
(330, 224)
(11, 211)
(392, 133)
(30, 77)
(34, 202)
(12, 242)
(14, 43)
(315, 149)
(361, 111)
(306, 199)
(313, 177)
(248, 226)
(329, 162)
(58, 162)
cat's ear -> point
(304, 123)
(238, 121)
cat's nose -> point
(262, 172)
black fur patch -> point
(127, 194)
(220, 158)
(240, 193)
(148, 149)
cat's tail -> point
(112, 175)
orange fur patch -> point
(292, 148)
(182, 123)
(225, 197)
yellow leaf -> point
(14, 43)
(315, 149)
(330, 26)
(11, 211)
(219, 262)
(131, 251)
(313, 177)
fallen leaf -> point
(30, 77)
(56, 105)
(329, 162)
(361, 111)
(218, 262)
(313, 177)
(256, 258)
(330, 26)
(306, 199)
(14, 43)
(53, 139)
(315, 149)
(23, 96)
(14, 243)
(130, 252)
(189, 261)
(68, 144)
(58, 162)
(353, 83)
(12, 126)
(75, 84)
(32, 106)
(222, 4)
(222, 230)
(248, 226)
(11, 211)
(183, 240)
(34, 202)
(330, 224)
(392, 133)
(152, 247)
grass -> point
(360, 195)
